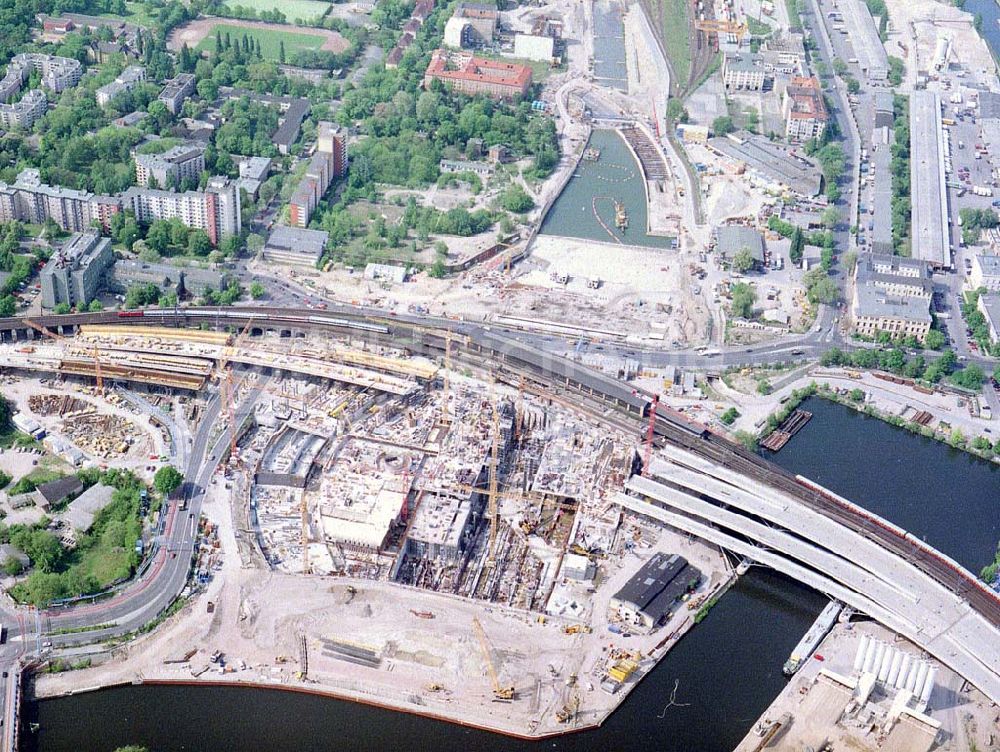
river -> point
(727, 669)
(946, 496)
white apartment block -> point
(216, 210)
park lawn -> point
(674, 20)
(137, 14)
(270, 41)
(306, 10)
(104, 564)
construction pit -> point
(452, 551)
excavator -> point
(500, 693)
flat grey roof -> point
(773, 161)
(874, 302)
(990, 265)
(864, 39)
(991, 304)
(733, 238)
(989, 105)
(882, 218)
(929, 198)
(297, 240)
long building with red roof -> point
(475, 75)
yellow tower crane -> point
(226, 383)
(499, 693)
(735, 28)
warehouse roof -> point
(654, 588)
(930, 211)
(297, 240)
(734, 238)
(81, 512)
(771, 161)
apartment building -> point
(332, 139)
(216, 210)
(58, 73)
(985, 273)
(176, 91)
(471, 25)
(473, 75)
(743, 71)
(24, 113)
(28, 199)
(74, 274)
(129, 78)
(329, 162)
(804, 109)
(170, 168)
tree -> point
(797, 247)
(675, 111)
(857, 395)
(515, 199)
(730, 416)
(281, 51)
(830, 217)
(722, 125)
(95, 306)
(7, 305)
(167, 479)
(61, 309)
(934, 340)
(743, 298)
(257, 290)
(12, 567)
(970, 377)
(743, 260)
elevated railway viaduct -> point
(606, 399)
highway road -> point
(31, 631)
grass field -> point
(270, 41)
(676, 39)
(307, 10)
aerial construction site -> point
(394, 528)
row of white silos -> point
(895, 668)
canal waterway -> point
(609, 45)
(727, 670)
(588, 200)
(949, 498)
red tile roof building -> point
(475, 75)
(804, 108)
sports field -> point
(200, 35)
(306, 10)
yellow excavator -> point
(502, 694)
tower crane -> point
(226, 382)
(713, 26)
(94, 353)
(493, 493)
(502, 693)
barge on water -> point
(820, 628)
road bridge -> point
(771, 527)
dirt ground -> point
(429, 657)
(192, 33)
